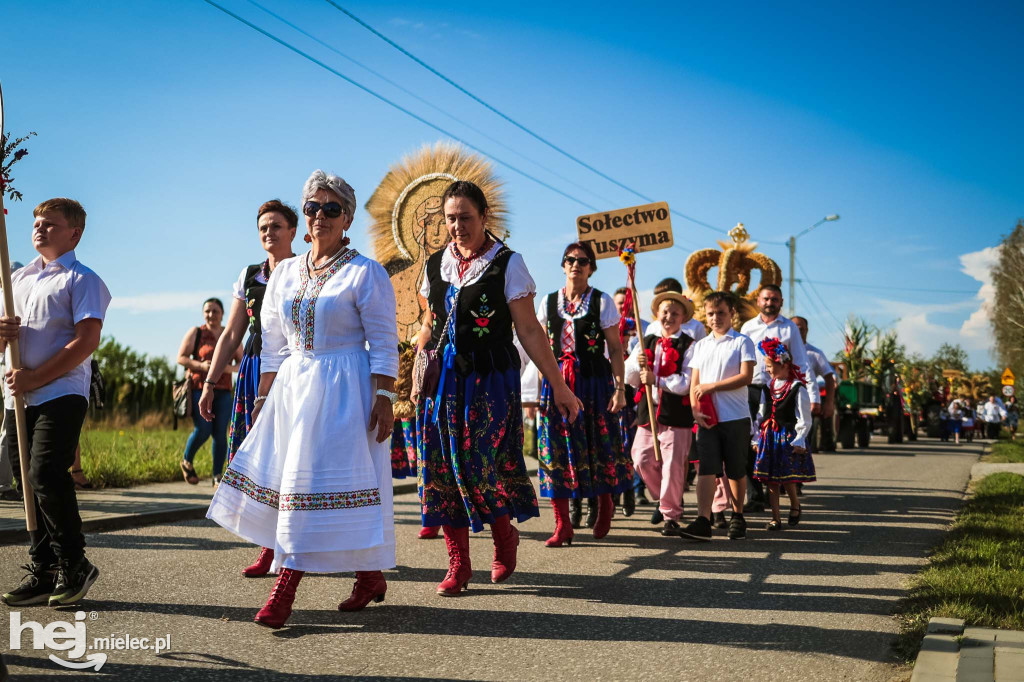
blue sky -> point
(172, 122)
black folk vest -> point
(254, 292)
(483, 322)
(673, 409)
(590, 341)
(785, 409)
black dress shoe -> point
(591, 511)
(628, 502)
(753, 506)
(718, 520)
(642, 500)
(576, 514)
(656, 517)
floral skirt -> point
(403, 449)
(246, 388)
(776, 461)
(471, 469)
(586, 458)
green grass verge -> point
(120, 458)
(1006, 451)
(977, 572)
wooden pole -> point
(648, 395)
(14, 358)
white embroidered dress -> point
(310, 480)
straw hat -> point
(671, 296)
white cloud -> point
(921, 334)
(162, 301)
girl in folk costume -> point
(470, 424)
(403, 438)
(785, 418)
(312, 480)
(585, 459)
(661, 364)
(277, 223)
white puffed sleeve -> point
(375, 300)
(518, 281)
(238, 292)
(803, 417)
(609, 312)
(425, 286)
(275, 338)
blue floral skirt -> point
(246, 388)
(776, 461)
(470, 467)
(403, 449)
(586, 458)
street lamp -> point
(792, 260)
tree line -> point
(135, 384)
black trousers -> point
(53, 431)
(754, 392)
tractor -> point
(859, 404)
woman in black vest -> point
(585, 459)
(470, 423)
(276, 222)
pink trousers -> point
(664, 479)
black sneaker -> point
(738, 527)
(671, 529)
(12, 495)
(35, 587)
(73, 582)
(657, 517)
(628, 502)
(719, 520)
(698, 529)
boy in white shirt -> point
(723, 366)
(62, 304)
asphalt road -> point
(812, 603)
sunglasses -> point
(331, 209)
(573, 259)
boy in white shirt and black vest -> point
(723, 365)
(59, 306)
(661, 363)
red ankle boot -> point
(370, 586)
(277, 609)
(605, 512)
(429, 532)
(459, 568)
(262, 565)
(506, 541)
(563, 527)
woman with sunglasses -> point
(585, 459)
(312, 480)
(470, 424)
(276, 223)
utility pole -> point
(792, 260)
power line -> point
(828, 320)
(422, 100)
(384, 99)
(818, 294)
(526, 130)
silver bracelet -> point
(393, 397)
(258, 399)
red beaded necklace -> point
(464, 261)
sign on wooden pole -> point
(649, 227)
